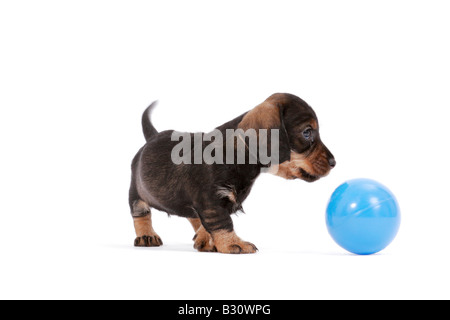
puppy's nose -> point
(332, 162)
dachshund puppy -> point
(208, 193)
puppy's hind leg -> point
(145, 235)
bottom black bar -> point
(221, 309)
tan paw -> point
(229, 242)
(148, 241)
(203, 241)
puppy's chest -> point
(233, 195)
(243, 193)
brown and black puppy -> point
(208, 193)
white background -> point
(75, 77)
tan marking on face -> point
(315, 163)
(290, 169)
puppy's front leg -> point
(218, 223)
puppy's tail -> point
(147, 126)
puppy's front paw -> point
(148, 241)
(203, 241)
(229, 242)
(242, 247)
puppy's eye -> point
(307, 134)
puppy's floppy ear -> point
(269, 115)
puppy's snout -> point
(332, 162)
(330, 157)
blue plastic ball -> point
(363, 216)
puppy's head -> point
(303, 155)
